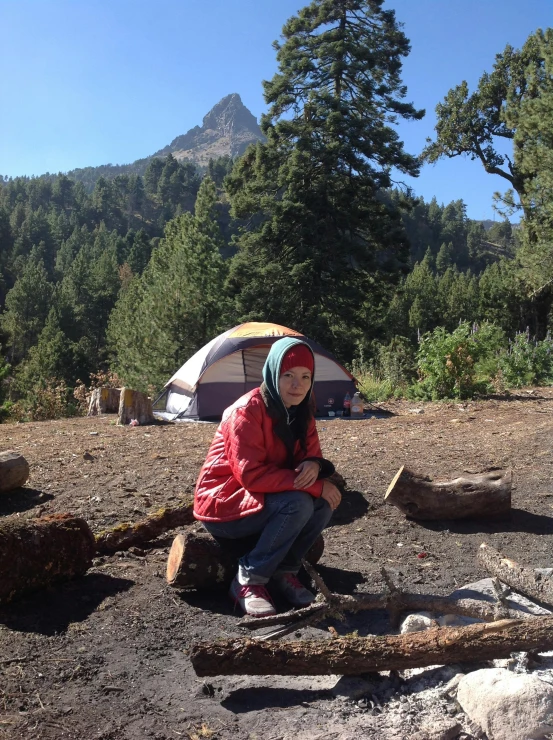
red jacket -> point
(246, 461)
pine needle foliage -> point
(321, 240)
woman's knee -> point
(297, 503)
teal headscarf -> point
(273, 363)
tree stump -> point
(104, 401)
(135, 406)
(470, 496)
(38, 552)
(355, 656)
(198, 560)
(14, 470)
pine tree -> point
(444, 258)
(175, 307)
(27, 307)
(326, 245)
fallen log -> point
(104, 401)
(135, 406)
(128, 535)
(469, 496)
(527, 581)
(14, 470)
(355, 656)
(197, 560)
(39, 552)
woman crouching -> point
(265, 475)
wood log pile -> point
(496, 638)
(38, 552)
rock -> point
(454, 620)
(438, 730)
(417, 622)
(484, 591)
(507, 706)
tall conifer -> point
(325, 241)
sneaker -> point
(293, 590)
(253, 598)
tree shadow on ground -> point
(22, 499)
(242, 701)
(340, 581)
(353, 506)
(519, 521)
(51, 611)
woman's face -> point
(294, 386)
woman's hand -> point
(331, 494)
(308, 473)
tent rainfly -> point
(231, 364)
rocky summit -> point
(227, 129)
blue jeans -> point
(289, 524)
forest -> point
(120, 274)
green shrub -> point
(457, 364)
(527, 361)
(375, 388)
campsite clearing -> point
(104, 657)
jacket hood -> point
(271, 368)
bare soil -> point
(104, 657)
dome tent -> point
(231, 364)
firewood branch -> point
(527, 581)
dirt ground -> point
(104, 657)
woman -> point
(264, 475)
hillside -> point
(226, 130)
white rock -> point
(484, 591)
(507, 706)
(417, 622)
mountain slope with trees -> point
(134, 272)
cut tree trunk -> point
(104, 401)
(197, 560)
(470, 496)
(135, 406)
(38, 552)
(14, 470)
(355, 656)
(525, 580)
(128, 535)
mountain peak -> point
(227, 129)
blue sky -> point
(88, 82)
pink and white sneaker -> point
(253, 598)
(292, 589)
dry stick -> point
(318, 581)
(310, 616)
(522, 579)
(402, 602)
(502, 606)
(355, 656)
